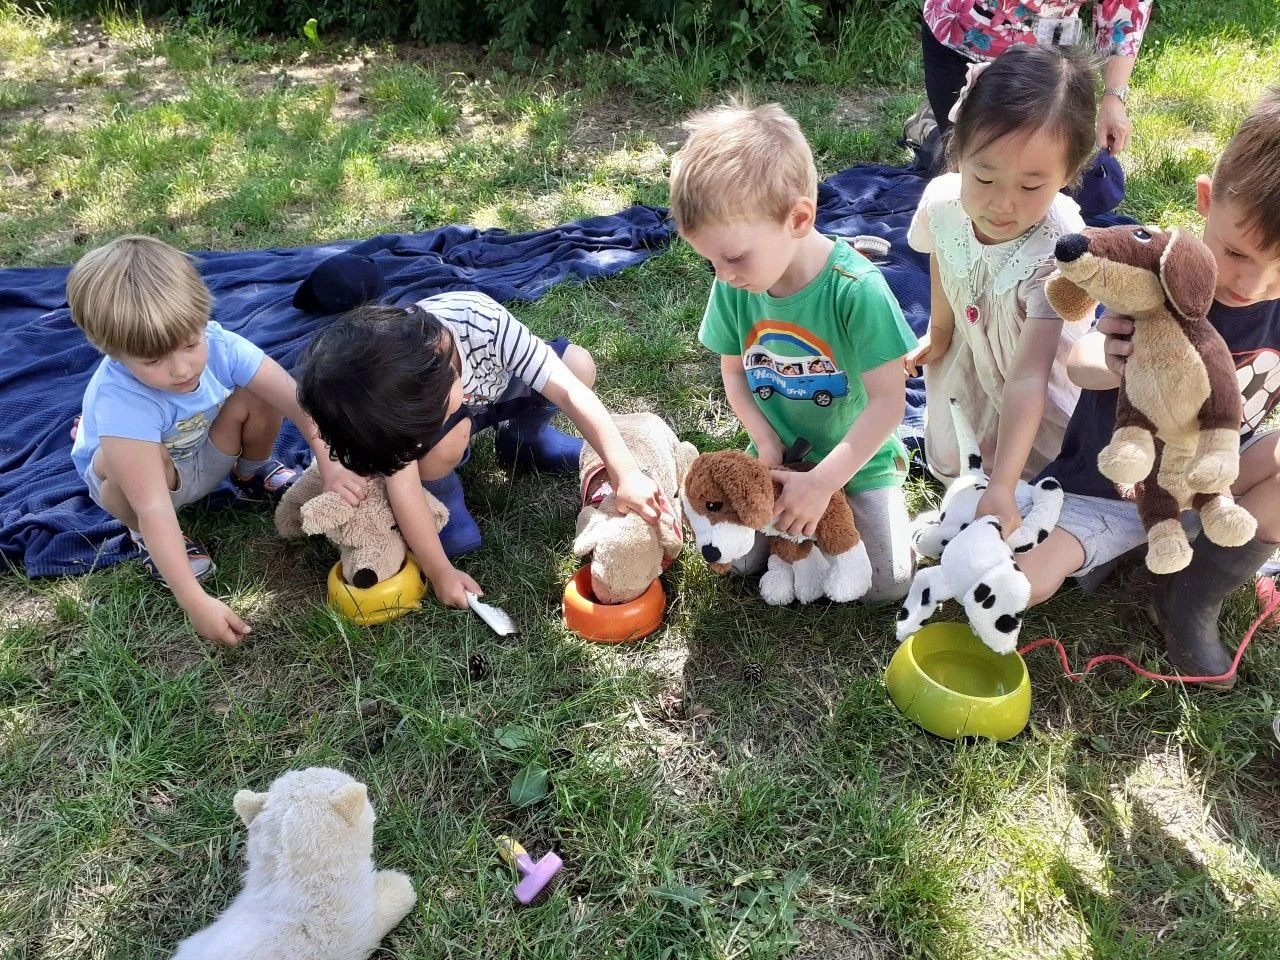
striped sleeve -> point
(491, 333)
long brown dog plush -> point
(1177, 432)
(729, 497)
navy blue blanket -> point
(47, 521)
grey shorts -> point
(198, 475)
(1109, 528)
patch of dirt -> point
(345, 74)
(74, 77)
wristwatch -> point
(1120, 93)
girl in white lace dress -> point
(1024, 129)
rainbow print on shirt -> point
(786, 360)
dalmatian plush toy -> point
(977, 569)
(1039, 503)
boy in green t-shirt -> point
(810, 337)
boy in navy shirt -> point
(1240, 204)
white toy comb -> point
(497, 619)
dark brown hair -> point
(1248, 172)
(1029, 88)
(377, 381)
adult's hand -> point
(1113, 125)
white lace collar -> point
(1011, 262)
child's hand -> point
(1118, 345)
(802, 502)
(215, 621)
(933, 347)
(638, 493)
(1000, 503)
(451, 586)
(770, 451)
(338, 479)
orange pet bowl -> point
(611, 622)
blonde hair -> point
(1248, 172)
(139, 297)
(740, 163)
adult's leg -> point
(944, 75)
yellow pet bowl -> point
(948, 681)
(383, 601)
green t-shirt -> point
(805, 354)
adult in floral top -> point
(956, 33)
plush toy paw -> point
(1227, 523)
(393, 892)
(849, 576)
(995, 609)
(809, 576)
(1123, 461)
(1214, 472)
(1047, 498)
(1167, 548)
(928, 590)
(777, 585)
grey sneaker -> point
(919, 126)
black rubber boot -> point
(1187, 605)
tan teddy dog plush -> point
(1178, 413)
(310, 889)
(627, 554)
(370, 547)
(729, 497)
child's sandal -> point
(268, 482)
(202, 564)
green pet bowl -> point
(948, 681)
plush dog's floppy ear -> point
(671, 533)
(747, 484)
(325, 512)
(1070, 302)
(1188, 274)
(686, 453)
(248, 805)
(590, 522)
(348, 802)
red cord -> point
(1268, 595)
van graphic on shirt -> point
(186, 437)
(786, 359)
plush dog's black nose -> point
(364, 578)
(711, 554)
(1071, 247)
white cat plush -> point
(310, 890)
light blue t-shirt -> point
(118, 404)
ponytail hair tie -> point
(971, 77)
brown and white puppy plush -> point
(729, 497)
(628, 554)
(1178, 413)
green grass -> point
(701, 814)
